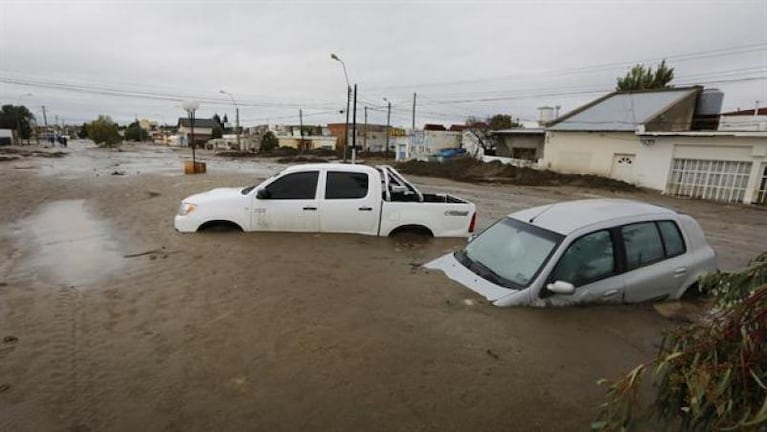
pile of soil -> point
(236, 154)
(302, 159)
(474, 171)
(17, 153)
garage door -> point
(709, 179)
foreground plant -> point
(710, 375)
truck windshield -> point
(510, 253)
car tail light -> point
(473, 222)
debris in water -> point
(10, 339)
(492, 354)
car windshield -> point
(509, 253)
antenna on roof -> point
(532, 219)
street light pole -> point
(190, 107)
(348, 100)
(18, 121)
(237, 116)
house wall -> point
(311, 142)
(507, 144)
(718, 148)
(743, 123)
(677, 118)
(587, 152)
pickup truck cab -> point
(332, 198)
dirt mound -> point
(17, 152)
(236, 154)
(473, 171)
(302, 159)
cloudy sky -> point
(143, 58)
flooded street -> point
(119, 323)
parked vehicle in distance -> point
(332, 198)
(587, 251)
(447, 153)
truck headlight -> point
(186, 208)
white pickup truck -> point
(332, 198)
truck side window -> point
(588, 259)
(643, 244)
(300, 185)
(346, 185)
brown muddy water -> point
(68, 245)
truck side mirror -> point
(561, 287)
(262, 194)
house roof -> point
(519, 131)
(748, 112)
(198, 122)
(457, 128)
(433, 127)
(622, 111)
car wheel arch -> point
(220, 225)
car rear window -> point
(672, 238)
(643, 244)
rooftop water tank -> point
(545, 115)
(709, 102)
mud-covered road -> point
(112, 321)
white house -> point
(646, 138)
(744, 120)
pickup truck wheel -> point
(414, 232)
(219, 226)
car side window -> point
(672, 238)
(588, 259)
(346, 185)
(643, 244)
(300, 185)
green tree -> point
(83, 133)
(642, 77)
(17, 117)
(104, 131)
(217, 131)
(269, 142)
(134, 132)
(501, 121)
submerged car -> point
(331, 198)
(586, 251)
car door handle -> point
(680, 271)
(610, 293)
(365, 209)
(310, 208)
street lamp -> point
(190, 107)
(18, 121)
(237, 116)
(388, 121)
(348, 97)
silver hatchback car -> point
(587, 251)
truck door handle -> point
(365, 209)
(610, 293)
(681, 271)
(310, 208)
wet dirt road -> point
(282, 331)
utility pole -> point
(388, 123)
(413, 125)
(365, 137)
(45, 120)
(354, 128)
(301, 129)
(237, 122)
(412, 128)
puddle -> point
(73, 247)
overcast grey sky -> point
(125, 58)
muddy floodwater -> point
(110, 320)
(68, 245)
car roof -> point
(566, 217)
(329, 166)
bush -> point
(710, 375)
(104, 131)
(269, 142)
(134, 132)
